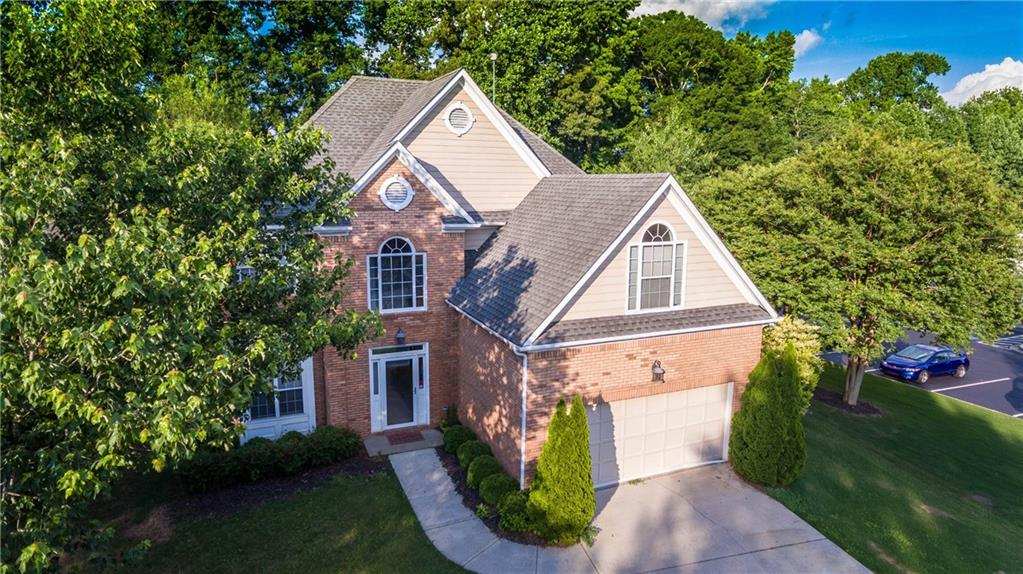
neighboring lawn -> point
(933, 485)
(349, 524)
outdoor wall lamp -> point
(658, 372)
(399, 336)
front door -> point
(399, 390)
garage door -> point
(651, 435)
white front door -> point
(651, 435)
(399, 387)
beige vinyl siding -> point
(706, 284)
(479, 168)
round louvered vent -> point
(459, 119)
(396, 193)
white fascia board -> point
(721, 255)
(399, 151)
(599, 263)
(467, 226)
(619, 338)
(484, 103)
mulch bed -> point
(244, 496)
(471, 499)
(834, 400)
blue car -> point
(921, 362)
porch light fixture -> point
(658, 372)
(399, 336)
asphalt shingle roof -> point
(625, 325)
(366, 113)
(550, 241)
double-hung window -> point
(397, 277)
(285, 400)
(656, 270)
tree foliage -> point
(561, 496)
(994, 126)
(127, 338)
(767, 444)
(806, 346)
(870, 234)
(895, 78)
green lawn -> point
(933, 485)
(350, 524)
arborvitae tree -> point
(767, 443)
(561, 501)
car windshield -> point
(914, 352)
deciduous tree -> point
(870, 234)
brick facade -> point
(597, 373)
(342, 385)
(490, 376)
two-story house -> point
(508, 278)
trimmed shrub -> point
(768, 444)
(561, 500)
(260, 458)
(470, 450)
(455, 435)
(805, 339)
(513, 512)
(484, 466)
(495, 487)
(329, 444)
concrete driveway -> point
(706, 520)
(696, 521)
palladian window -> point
(397, 277)
(656, 269)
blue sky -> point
(969, 34)
(839, 37)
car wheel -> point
(923, 377)
(960, 372)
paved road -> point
(995, 379)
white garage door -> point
(651, 435)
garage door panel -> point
(640, 437)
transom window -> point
(396, 193)
(656, 269)
(397, 277)
(285, 400)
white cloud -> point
(805, 41)
(995, 76)
(714, 12)
(825, 26)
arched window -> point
(656, 270)
(397, 277)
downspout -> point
(522, 452)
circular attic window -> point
(396, 193)
(458, 118)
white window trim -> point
(375, 422)
(369, 282)
(307, 415)
(404, 183)
(676, 245)
(447, 118)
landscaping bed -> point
(472, 499)
(932, 484)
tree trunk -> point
(854, 372)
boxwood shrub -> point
(495, 487)
(484, 466)
(513, 512)
(470, 450)
(260, 458)
(455, 435)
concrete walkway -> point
(697, 521)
